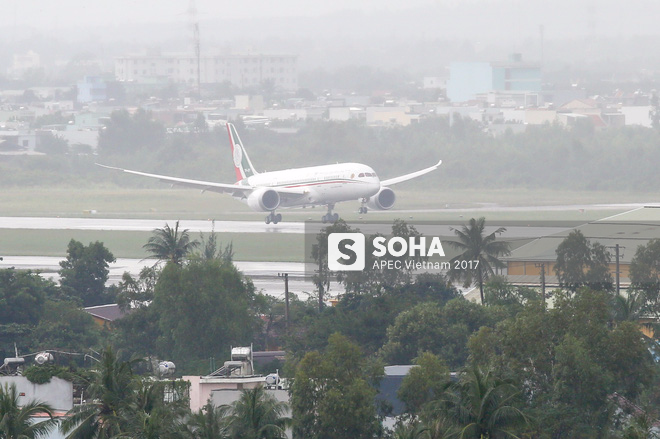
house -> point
(104, 315)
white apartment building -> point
(240, 70)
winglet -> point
(410, 176)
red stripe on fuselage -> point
(321, 182)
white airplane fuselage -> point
(300, 187)
(322, 185)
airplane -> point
(301, 187)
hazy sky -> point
(332, 33)
(49, 15)
(460, 18)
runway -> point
(206, 226)
(146, 225)
(264, 275)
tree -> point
(645, 276)
(483, 405)
(322, 276)
(376, 277)
(201, 308)
(50, 143)
(568, 360)
(137, 293)
(85, 271)
(441, 330)
(581, 263)
(65, 326)
(125, 133)
(16, 420)
(22, 300)
(424, 383)
(210, 422)
(477, 249)
(498, 291)
(109, 398)
(170, 245)
(22, 296)
(257, 415)
(150, 416)
(211, 248)
(332, 395)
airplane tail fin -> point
(242, 164)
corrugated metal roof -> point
(109, 312)
(629, 230)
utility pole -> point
(618, 254)
(541, 265)
(286, 297)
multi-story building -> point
(240, 70)
(467, 79)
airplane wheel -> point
(278, 218)
(335, 217)
(268, 219)
(365, 209)
(324, 219)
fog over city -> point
(418, 36)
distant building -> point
(467, 79)
(224, 385)
(22, 64)
(92, 89)
(242, 71)
(434, 82)
(104, 315)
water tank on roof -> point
(43, 358)
(15, 361)
(240, 353)
(166, 368)
(272, 379)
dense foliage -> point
(547, 156)
(577, 366)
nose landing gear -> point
(363, 206)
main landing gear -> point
(330, 217)
(273, 218)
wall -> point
(58, 393)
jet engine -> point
(264, 199)
(383, 200)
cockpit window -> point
(361, 174)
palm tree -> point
(257, 415)
(110, 395)
(150, 417)
(15, 422)
(479, 255)
(209, 423)
(170, 244)
(481, 405)
(413, 430)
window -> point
(361, 174)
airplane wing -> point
(233, 189)
(410, 176)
